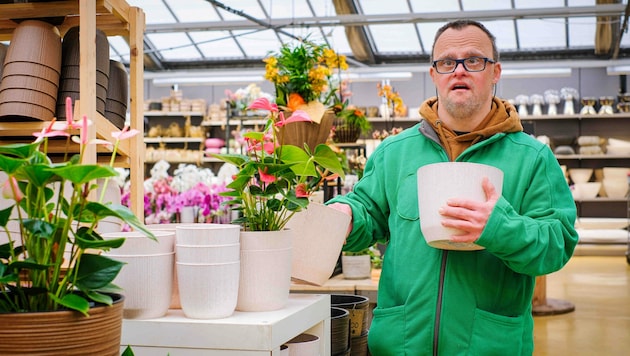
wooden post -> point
(541, 305)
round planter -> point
(63, 332)
(265, 277)
(356, 267)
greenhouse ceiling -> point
(183, 35)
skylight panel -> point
(582, 32)
(475, 5)
(337, 39)
(193, 10)
(216, 44)
(546, 33)
(257, 43)
(286, 8)
(174, 46)
(120, 48)
(377, 7)
(503, 30)
(395, 38)
(155, 11)
(420, 6)
(250, 8)
(537, 4)
(323, 8)
(427, 33)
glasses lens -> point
(474, 64)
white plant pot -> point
(187, 215)
(319, 234)
(356, 267)
(265, 278)
(304, 345)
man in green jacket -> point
(446, 302)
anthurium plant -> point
(275, 181)
(53, 261)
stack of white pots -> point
(147, 276)
(208, 268)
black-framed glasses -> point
(471, 64)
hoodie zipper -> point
(438, 313)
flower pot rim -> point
(206, 264)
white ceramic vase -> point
(356, 267)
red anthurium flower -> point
(301, 191)
(263, 104)
(266, 178)
(297, 116)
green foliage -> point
(47, 266)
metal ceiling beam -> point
(362, 20)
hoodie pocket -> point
(495, 334)
(386, 336)
(407, 196)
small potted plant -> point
(273, 183)
(48, 264)
(306, 78)
(350, 124)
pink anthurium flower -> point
(266, 178)
(263, 104)
(10, 190)
(49, 132)
(298, 115)
(125, 133)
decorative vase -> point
(64, 332)
(319, 234)
(301, 132)
(265, 276)
(345, 133)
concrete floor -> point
(599, 287)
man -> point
(443, 302)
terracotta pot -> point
(63, 332)
(265, 276)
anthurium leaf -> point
(27, 264)
(9, 164)
(96, 271)
(89, 239)
(327, 158)
(120, 211)
(36, 174)
(73, 301)
(19, 150)
(83, 173)
(127, 351)
(235, 159)
(39, 228)
(5, 214)
(300, 161)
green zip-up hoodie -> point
(438, 302)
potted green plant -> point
(359, 264)
(349, 124)
(273, 183)
(52, 263)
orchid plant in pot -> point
(52, 263)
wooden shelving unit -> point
(113, 17)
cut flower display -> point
(274, 181)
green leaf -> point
(327, 158)
(84, 173)
(38, 174)
(100, 297)
(300, 161)
(19, 150)
(73, 301)
(235, 159)
(96, 271)
(127, 351)
(90, 239)
(9, 165)
(5, 214)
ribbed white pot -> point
(265, 277)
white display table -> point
(243, 333)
